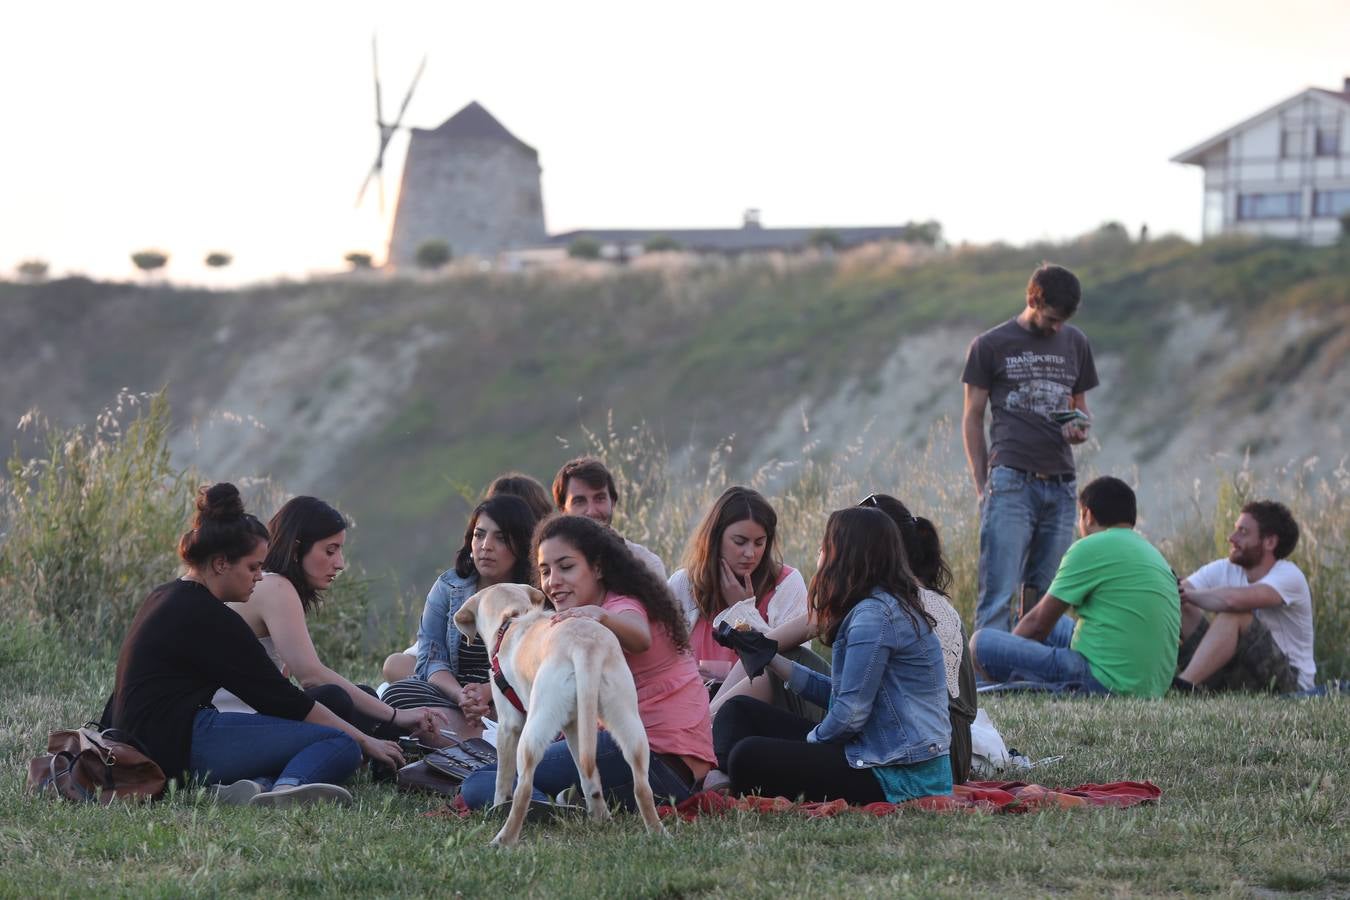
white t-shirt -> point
(647, 558)
(787, 603)
(224, 701)
(1291, 624)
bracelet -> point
(392, 716)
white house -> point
(1285, 172)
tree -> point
(825, 239)
(358, 259)
(929, 232)
(432, 254)
(661, 243)
(1345, 226)
(32, 270)
(218, 260)
(584, 248)
(150, 260)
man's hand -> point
(1074, 432)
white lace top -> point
(949, 635)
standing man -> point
(1261, 636)
(585, 487)
(1033, 370)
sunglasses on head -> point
(871, 501)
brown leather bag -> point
(90, 765)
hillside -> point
(396, 399)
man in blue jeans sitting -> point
(1034, 371)
(1126, 599)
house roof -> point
(1193, 156)
(475, 122)
(735, 240)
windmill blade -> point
(375, 60)
(408, 96)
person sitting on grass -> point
(887, 732)
(923, 549)
(303, 559)
(1125, 596)
(185, 644)
(398, 666)
(1261, 636)
(451, 671)
(732, 571)
(585, 487)
(586, 570)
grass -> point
(1251, 802)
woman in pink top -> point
(586, 570)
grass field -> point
(1251, 806)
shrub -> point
(825, 239)
(661, 243)
(218, 260)
(432, 254)
(32, 270)
(358, 259)
(584, 248)
(150, 260)
(91, 522)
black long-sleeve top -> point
(183, 646)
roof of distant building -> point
(474, 121)
(733, 240)
(1195, 155)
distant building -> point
(1285, 172)
(751, 237)
(470, 183)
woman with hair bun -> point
(303, 560)
(185, 644)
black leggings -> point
(340, 704)
(764, 751)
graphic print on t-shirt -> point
(1043, 382)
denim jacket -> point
(437, 636)
(887, 690)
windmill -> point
(387, 130)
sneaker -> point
(237, 794)
(717, 780)
(301, 794)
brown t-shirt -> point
(1028, 376)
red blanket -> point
(974, 796)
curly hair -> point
(1274, 518)
(862, 554)
(624, 574)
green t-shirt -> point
(1129, 614)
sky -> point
(248, 127)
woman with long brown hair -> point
(733, 571)
(886, 734)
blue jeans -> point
(1026, 524)
(1006, 657)
(556, 772)
(229, 746)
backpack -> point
(89, 764)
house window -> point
(1291, 143)
(1328, 141)
(1269, 206)
(1331, 204)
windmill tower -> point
(470, 183)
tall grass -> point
(90, 523)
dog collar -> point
(498, 678)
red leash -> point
(498, 678)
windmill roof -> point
(474, 121)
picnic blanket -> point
(973, 797)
